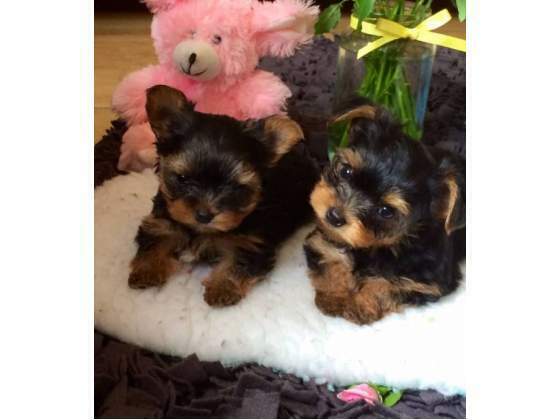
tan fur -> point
(246, 175)
(181, 211)
(361, 300)
(225, 221)
(352, 158)
(375, 298)
(155, 266)
(408, 285)
(286, 134)
(224, 286)
(178, 164)
(158, 227)
(378, 297)
(453, 195)
(364, 111)
(353, 232)
(334, 285)
(338, 291)
(322, 198)
(224, 244)
(229, 220)
(395, 200)
(328, 252)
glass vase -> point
(396, 76)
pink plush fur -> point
(246, 29)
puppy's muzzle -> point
(203, 217)
(335, 217)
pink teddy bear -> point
(209, 50)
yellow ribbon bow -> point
(390, 31)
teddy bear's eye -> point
(193, 33)
(217, 39)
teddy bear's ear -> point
(281, 26)
(160, 5)
(168, 109)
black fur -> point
(426, 253)
(213, 148)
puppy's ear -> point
(279, 134)
(449, 204)
(364, 111)
(166, 108)
(370, 125)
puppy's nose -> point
(335, 217)
(192, 58)
(203, 216)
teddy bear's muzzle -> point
(197, 59)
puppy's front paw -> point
(143, 279)
(145, 274)
(222, 293)
(361, 316)
(330, 304)
(364, 308)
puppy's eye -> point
(184, 179)
(346, 171)
(385, 212)
(217, 39)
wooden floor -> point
(123, 44)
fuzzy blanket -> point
(276, 325)
(129, 381)
(134, 383)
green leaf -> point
(328, 18)
(461, 6)
(363, 8)
(393, 398)
(381, 389)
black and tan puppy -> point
(388, 210)
(230, 193)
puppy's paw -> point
(330, 305)
(363, 310)
(360, 317)
(143, 279)
(222, 293)
(146, 274)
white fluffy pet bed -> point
(276, 325)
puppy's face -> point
(211, 167)
(385, 187)
(208, 190)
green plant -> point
(461, 6)
(363, 9)
(389, 396)
(385, 80)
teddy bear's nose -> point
(192, 59)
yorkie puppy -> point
(388, 212)
(230, 193)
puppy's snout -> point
(203, 216)
(335, 217)
(192, 58)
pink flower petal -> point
(359, 392)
